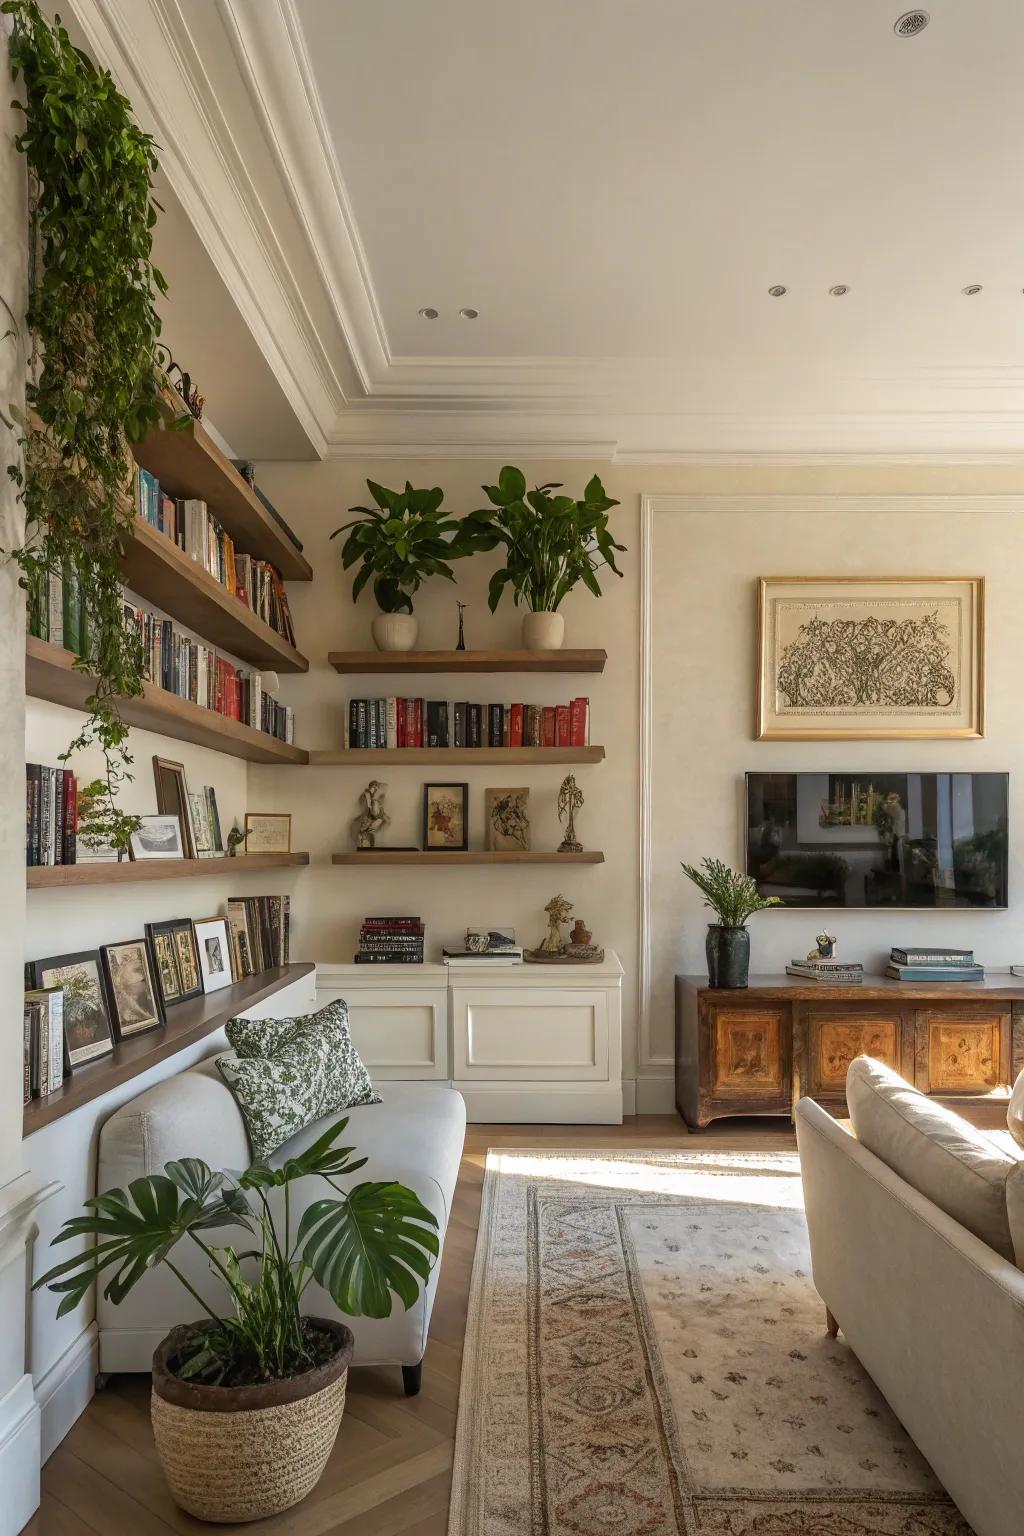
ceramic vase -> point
(543, 631)
(728, 952)
(394, 631)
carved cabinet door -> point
(963, 1049)
(832, 1036)
(750, 1058)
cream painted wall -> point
(331, 901)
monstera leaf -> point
(376, 1241)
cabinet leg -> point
(412, 1378)
(831, 1326)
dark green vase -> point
(728, 952)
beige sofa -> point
(916, 1225)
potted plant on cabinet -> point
(551, 544)
(246, 1406)
(734, 897)
(399, 542)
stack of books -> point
(45, 1050)
(390, 941)
(944, 963)
(842, 973)
(51, 815)
(397, 722)
(259, 931)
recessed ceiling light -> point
(469, 314)
(838, 289)
(971, 289)
(429, 314)
(911, 23)
(777, 290)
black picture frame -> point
(170, 943)
(82, 1017)
(460, 792)
(121, 1004)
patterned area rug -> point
(646, 1356)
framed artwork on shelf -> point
(446, 817)
(855, 658)
(507, 817)
(135, 1004)
(214, 953)
(86, 1013)
(268, 832)
(159, 837)
(172, 945)
(172, 799)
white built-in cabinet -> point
(526, 1043)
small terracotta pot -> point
(241, 1453)
(395, 631)
(543, 631)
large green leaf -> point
(363, 1248)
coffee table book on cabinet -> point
(756, 1050)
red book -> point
(410, 722)
(547, 726)
(400, 722)
(579, 729)
(515, 725)
(417, 730)
(562, 726)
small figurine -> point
(462, 632)
(570, 800)
(824, 947)
(373, 818)
(236, 837)
(558, 910)
(581, 934)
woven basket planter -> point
(240, 1453)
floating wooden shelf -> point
(188, 463)
(59, 876)
(186, 1024)
(436, 856)
(424, 757)
(50, 673)
(468, 661)
(163, 574)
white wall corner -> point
(63, 1393)
(20, 1458)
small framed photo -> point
(159, 837)
(446, 817)
(172, 945)
(507, 815)
(268, 832)
(86, 1014)
(172, 799)
(214, 952)
(135, 1004)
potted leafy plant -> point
(551, 544)
(399, 543)
(734, 897)
(247, 1404)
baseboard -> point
(542, 1104)
(655, 1095)
(19, 1457)
(64, 1391)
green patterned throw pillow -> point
(286, 1073)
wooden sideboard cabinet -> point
(756, 1050)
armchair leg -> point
(412, 1378)
(831, 1326)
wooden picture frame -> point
(175, 956)
(87, 1027)
(446, 818)
(870, 658)
(507, 820)
(268, 832)
(135, 1003)
(172, 799)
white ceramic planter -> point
(394, 631)
(543, 631)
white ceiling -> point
(614, 186)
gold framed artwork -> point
(268, 832)
(879, 658)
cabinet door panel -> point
(962, 1050)
(836, 1036)
(750, 1053)
(531, 1033)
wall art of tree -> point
(872, 663)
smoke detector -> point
(911, 23)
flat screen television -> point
(879, 839)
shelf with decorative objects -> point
(438, 856)
(409, 662)
(143, 871)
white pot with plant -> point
(247, 1405)
(551, 544)
(399, 543)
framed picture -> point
(159, 837)
(86, 1016)
(214, 953)
(854, 658)
(507, 815)
(131, 987)
(172, 945)
(172, 799)
(446, 817)
(268, 832)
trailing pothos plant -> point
(94, 385)
(399, 543)
(377, 1239)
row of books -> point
(390, 941)
(839, 972)
(51, 815)
(196, 531)
(259, 931)
(192, 670)
(45, 1048)
(393, 722)
(934, 964)
(59, 612)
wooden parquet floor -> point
(390, 1472)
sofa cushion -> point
(287, 1073)
(940, 1155)
(1015, 1112)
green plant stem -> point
(192, 1291)
(213, 1259)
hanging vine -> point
(93, 380)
